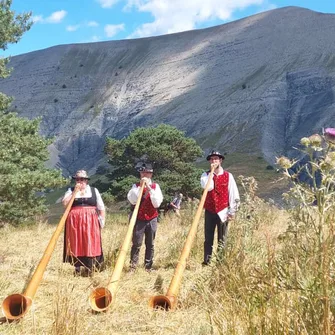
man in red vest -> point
(146, 221)
(220, 205)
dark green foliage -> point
(12, 28)
(23, 153)
(171, 153)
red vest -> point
(146, 211)
(218, 198)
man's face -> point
(215, 160)
(146, 174)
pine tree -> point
(23, 152)
(171, 153)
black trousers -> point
(212, 221)
(148, 230)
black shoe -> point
(76, 271)
(87, 273)
(204, 263)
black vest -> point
(86, 201)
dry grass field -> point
(61, 304)
(275, 275)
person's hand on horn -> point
(146, 181)
(230, 217)
(215, 165)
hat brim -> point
(209, 156)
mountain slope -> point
(256, 85)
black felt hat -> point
(144, 167)
(81, 174)
(214, 153)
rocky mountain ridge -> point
(256, 86)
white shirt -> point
(88, 194)
(234, 197)
(156, 195)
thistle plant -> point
(309, 242)
(277, 273)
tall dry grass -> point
(275, 275)
(61, 304)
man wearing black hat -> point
(220, 205)
(146, 221)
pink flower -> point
(329, 134)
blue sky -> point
(80, 21)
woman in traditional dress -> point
(82, 235)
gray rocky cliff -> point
(256, 85)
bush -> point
(108, 198)
(167, 148)
(24, 178)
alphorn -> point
(102, 297)
(15, 306)
(169, 301)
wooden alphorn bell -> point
(169, 301)
(15, 306)
(102, 297)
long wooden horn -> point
(101, 298)
(15, 306)
(169, 301)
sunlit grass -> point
(275, 276)
(61, 301)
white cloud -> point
(94, 38)
(171, 16)
(55, 17)
(77, 26)
(112, 29)
(37, 18)
(92, 24)
(72, 28)
(107, 3)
